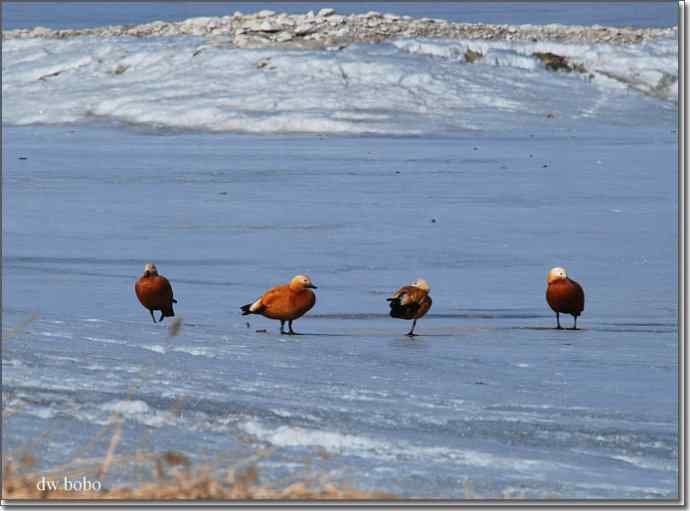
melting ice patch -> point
(290, 436)
(197, 351)
(157, 348)
(139, 411)
(647, 463)
(408, 87)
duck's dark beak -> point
(312, 286)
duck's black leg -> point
(152, 316)
(411, 332)
(558, 321)
(574, 322)
(290, 330)
(282, 324)
(162, 316)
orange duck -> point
(155, 292)
(411, 302)
(564, 296)
(285, 303)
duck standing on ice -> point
(285, 303)
(411, 302)
(155, 292)
(564, 296)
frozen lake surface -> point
(395, 161)
(488, 391)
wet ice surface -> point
(487, 392)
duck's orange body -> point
(564, 296)
(285, 303)
(155, 293)
(411, 302)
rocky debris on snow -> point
(326, 28)
(471, 55)
(555, 62)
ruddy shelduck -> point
(285, 303)
(155, 292)
(411, 302)
(564, 296)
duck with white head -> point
(564, 295)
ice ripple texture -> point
(406, 87)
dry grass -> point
(176, 480)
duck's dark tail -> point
(168, 312)
(402, 311)
(245, 309)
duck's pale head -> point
(555, 274)
(301, 282)
(422, 284)
(150, 270)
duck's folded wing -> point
(167, 289)
(424, 306)
(579, 295)
(403, 295)
(415, 295)
(275, 297)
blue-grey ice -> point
(364, 168)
